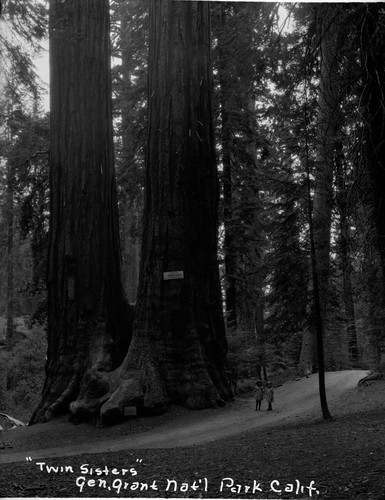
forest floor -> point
(231, 452)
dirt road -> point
(294, 401)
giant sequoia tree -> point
(371, 99)
(88, 321)
(178, 349)
(373, 110)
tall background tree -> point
(240, 87)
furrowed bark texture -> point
(373, 115)
(88, 318)
(373, 72)
(178, 349)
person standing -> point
(258, 395)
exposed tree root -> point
(83, 374)
(138, 383)
(56, 402)
(370, 378)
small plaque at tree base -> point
(130, 411)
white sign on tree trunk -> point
(173, 275)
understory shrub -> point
(25, 372)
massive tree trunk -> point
(88, 318)
(178, 348)
(373, 72)
(373, 113)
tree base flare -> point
(138, 389)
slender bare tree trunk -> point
(320, 215)
(327, 126)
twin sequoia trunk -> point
(178, 349)
(88, 320)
